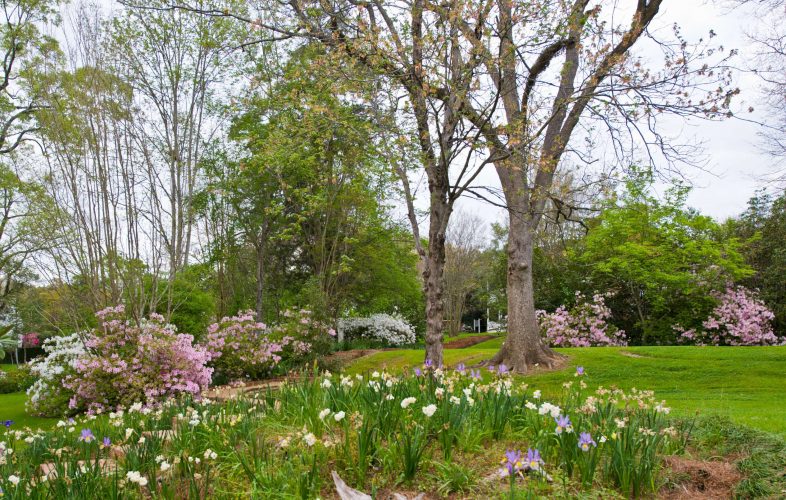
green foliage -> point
(660, 259)
(16, 380)
(302, 213)
(193, 304)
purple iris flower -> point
(579, 371)
(428, 363)
(475, 374)
(563, 423)
(586, 441)
(533, 459)
(87, 436)
(491, 368)
(502, 369)
(107, 441)
(513, 461)
(460, 368)
(8, 423)
(418, 373)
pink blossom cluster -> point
(740, 318)
(126, 362)
(583, 325)
(240, 346)
(31, 339)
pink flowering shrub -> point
(241, 347)
(30, 340)
(740, 318)
(583, 325)
(125, 362)
(302, 326)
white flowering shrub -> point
(47, 395)
(390, 329)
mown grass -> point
(745, 384)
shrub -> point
(314, 337)
(16, 380)
(117, 364)
(241, 347)
(584, 325)
(388, 329)
(740, 318)
(47, 396)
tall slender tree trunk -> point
(260, 292)
(433, 270)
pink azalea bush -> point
(740, 318)
(303, 326)
(126, 362)
(583, 325)
(240, 347)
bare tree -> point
(463, 271)
(770, 43)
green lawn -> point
(12, 407)
(747, 384)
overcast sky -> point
(734, 162)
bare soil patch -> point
(467, 341)
(694, 479)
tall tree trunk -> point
(524, 346)
(433, 269)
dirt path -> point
(468, 341)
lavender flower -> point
(579, 371)
(502, 369)
(586, 441)
(563, 424)
(107, 442)
(460, 368)
(491, 368)
(533, 459)
(428, 363)
(87, 436)
(475, 374)
(512, 462)
(418, 373)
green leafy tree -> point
(660, 258)
(27, 55)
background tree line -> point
(201, 158)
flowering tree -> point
(584, 325)
(740, 318)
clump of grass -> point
(763, 455)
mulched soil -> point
(467, 341)
(700, 479)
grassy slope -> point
(745, 383)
